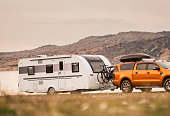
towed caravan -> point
(62, 73)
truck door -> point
(139, 74)
(61, 75)
(153, 76)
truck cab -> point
(143, 75)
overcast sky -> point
(27, 24)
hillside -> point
(112, 46)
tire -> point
(112, 89)
(51, 91)
(126, 86)
(146, 89)
(100, 78)
(167, 85)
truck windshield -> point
(165, 65)
(95, 62)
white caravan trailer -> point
(61, 73)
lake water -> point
(9, 81)
(9, 84)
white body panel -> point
(60, 80)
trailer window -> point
(95, 62)
(61, 65)
(31, 70)
(49, 68)
(39, 61)
(23, 70)
(75, 67)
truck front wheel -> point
(167, 85)
(126, 86)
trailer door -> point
(61, 75)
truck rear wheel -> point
(126, 86)
(51, 91)
(146, 89)
(167, 85)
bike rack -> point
(106, 74)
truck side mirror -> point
(156, 68)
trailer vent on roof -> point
(42, 56)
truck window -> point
(128, 66)
(61, 65)
(141, 66)
(165, 65)
(31, 70)
(49, 68)
(116, 68)
(75, 67)
(152, 65)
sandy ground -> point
(9, 83)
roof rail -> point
(51, 57)
(148, 59)
(161, 61)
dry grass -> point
(118, 104)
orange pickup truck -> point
(143, 75)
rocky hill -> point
(112, 46)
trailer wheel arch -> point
(50, 91)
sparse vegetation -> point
(111, 46)
(118, 104)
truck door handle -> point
(161, 73)
(136, 72)
(148, 72)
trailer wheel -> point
(146, 89)
(126, 86)
(167, 85)
(51, 91)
